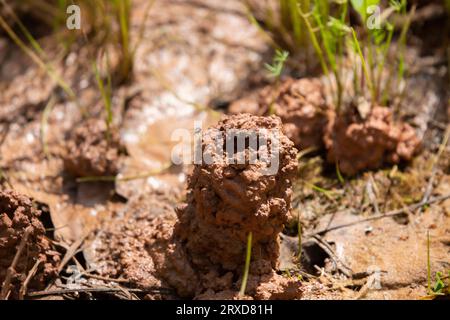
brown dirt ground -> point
(19, 221)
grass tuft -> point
(276, 68)
(337, 43)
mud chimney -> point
(247, 189)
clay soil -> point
(89, 204)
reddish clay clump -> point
(199, 251)
(92, 150)
(122, 246)
(225, 202)
(18, 218)
(301, 105)
(359, 144)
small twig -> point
(325, 276)
(97, 277)
(392, 213)
(66, 291)
(24, 287)
(339, 264)
(78, 264)
(11, 269)
(402, 203)
(371, 193)
(366, 287)
(390, 177)
(127, 293)
(71, 251)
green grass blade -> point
(326, 193)
(106, 96)
(402, 43)
(36, 59)
(339, 175)
(247, 264)
(142, 27)
(315, 42)
(364, 65)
